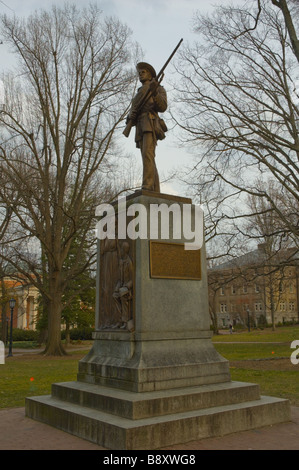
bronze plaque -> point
(172, 261)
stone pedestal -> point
(170, 342)
(153, 377)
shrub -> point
(262, 322)
(79, 333)
(24, 335)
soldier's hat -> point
(144, 65)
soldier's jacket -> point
(147, 118)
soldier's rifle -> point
(149, 92)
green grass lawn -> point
(275, 383)
(246, 351)
(280, 334)
(256, 354)
(21, 378)
(262, 364)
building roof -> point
(259, 257)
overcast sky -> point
(157, 25)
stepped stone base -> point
(123, 360)
(159, 381)
(125, 420)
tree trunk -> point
(54, 345)
(272, 308)
(3, 311)
(67, 333)
(282, 4)
(213, 316)
(3, 323)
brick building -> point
(26, 295)
(255, 287)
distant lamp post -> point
(12, 304)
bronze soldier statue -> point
(151, 99)
(149, 126)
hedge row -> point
(24, 335)
(79, 333)
(32, 335)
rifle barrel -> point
(169, 59)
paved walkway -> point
(18, 432)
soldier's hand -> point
(153, 86)
(133, 115)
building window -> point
(258, 307)
(223, 308)
(244, 289)
(282, 306)
(257, 288)
(280, 287)
(221, 290)
(233, 289)
(292, 306)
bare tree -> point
(238, 108)
(5, 214)
(58, 149)
(287, 14)
(279, 252)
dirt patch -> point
(283, 364)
